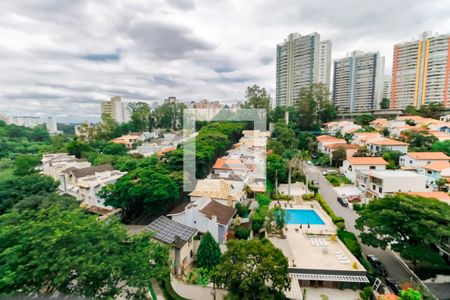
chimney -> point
(214, 218)
(230, 201)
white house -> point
(441, 136)
(179, 237)
(435, 171)
(445, 118)
(219, 190)
(54, 163)
(84, 184)
(415, 160)
(354, 164)
(350, 149)
(324, 140)
(376, 145)
(206, 216)
(382, 183)
(360, 138)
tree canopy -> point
(314, 107)
(257, 97)
(208, 254)
(253, 269)
(411, 225)
(55, 250)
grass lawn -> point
(337, 179)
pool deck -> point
(315, 247)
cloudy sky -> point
(61, 57)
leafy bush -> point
(308, 197)
(340, 226)
(351, 242)
(281, 197)
(242, 210)
(358, 206)
(325, 206)
(263, 199)
(199, 276)
(242, 233)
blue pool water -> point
(303, 216)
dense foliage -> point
(410, 225)
(253, 269)
(55, 250)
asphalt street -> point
(395, 268)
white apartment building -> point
(5, 119)
(26, 121)
(297, 66)
(416, 160)
(381, 183)
(420, 71)
(50, 123)
(116, 109)
(358, 82)
(325, 63)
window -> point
(372, 167)
(429, 172)
(410, 161)
(374, 187)
(380, 190)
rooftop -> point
(367, 161)
(226, 163)
(339, 145)
(78, 173)
(170, 232)
(443, 196)
(212, 188)
(428, 155)
(393, 174)
(386, 142)
(223, 213)
(438, 166)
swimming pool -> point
(303, 216)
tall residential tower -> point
(116, 109)
(298, 61)
(420, 72)
(358, 82)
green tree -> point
(338, 156)
(58, 251)
(364, 120)
(242, 233)
(307, 141)
(410, 110)
(314, 107)
(208, 254)
(392, 157)
(385, 103)
(142, 116)
(410, 225)
(257, 97)
(253, 269)
(441, 147)
(14, 190)
(276, 147)
(115, 149)
(276, 166)
(25, 164)
(421, 142)
(431, 110)
(280, 217)
(410, 294)
(77, 148)
(285, 135)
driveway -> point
(394, 267)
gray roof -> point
(170, 232)
(79, 173)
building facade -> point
(116, 109)
(297, 66)
(325, 63)
(420, 72)
(358, 82)
(386, 87)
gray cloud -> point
(61, 57)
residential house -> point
(445, 118)
(381, 183)
(350, 149)
(341, 126)
(324, 140)
(435, 171)
(379, 124)
(181, 239)
(441, 136)
(225, 167)
(254, 138)
(360, 138)
(220, 190)
(84, 184)
(441, 126)
(127, 140)
(376, 145)
(416, 160)
(354, 164)
(54, 164)
(206, 215)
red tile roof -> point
(428, 155)
(367, 161)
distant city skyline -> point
(62, 58)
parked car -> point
(376, 263)
(342, 201)
(393, 285)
